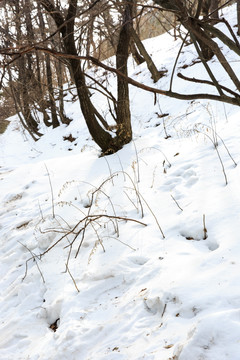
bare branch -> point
(221, 98)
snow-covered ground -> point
(140, 249)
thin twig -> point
(164, 309)
(216, 148)
(110, 172)
(131, 200)
(152, 147)
(138, 172)
(223, 142)
(72, 278)
(176, 60)
(34, 257)
(176, 203)
(40, 210)
(121, 166)
(153, 216)
(122, 242)
(50, 182)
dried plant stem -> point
(204, 228)
(130, 200)
(176, 203)
(122, 242)
(110, 172)
(50, 182)
(40, 210)
(121, 165)
(86, 221)
(216, 148)
(164, 309)
(95, 217)
(72, 278)
(138, 171)
(169, 164)
(154, 217)
(136, 191)
(223, 144)
(34, 258)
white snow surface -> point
(155, 273)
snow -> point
(155, 275)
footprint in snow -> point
(138, 259)
(185, 176)
(198, 236)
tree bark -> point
(124, 129)
(156, 75)
(55, 123)
(59, 71)
(23, 77)
(238, 16)
(214, 11)
(102, 138)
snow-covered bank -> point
(164, 291)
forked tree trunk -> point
(103, 138)
(99, 135)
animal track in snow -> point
(138, 260)
(187, 312)
(198, 237)
(184, 176)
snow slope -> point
(155, 273)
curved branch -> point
(199, 81)
(221, 98)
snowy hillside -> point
(130, 256)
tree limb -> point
(221, 98)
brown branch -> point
(87, 220)
(222, 98)
(207, 82)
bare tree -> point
(24, 71)
(66, 26)
(65, 36)
(201, 32)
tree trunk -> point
(205, 8)
(55, 122)
(23, 77)
(238, 17)
(99, 135)
(53, 109)
(156, 75)
(103, 138)
(41, 100)
(214, 11)
(137, 57)
(59, 71)
(124, 129)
